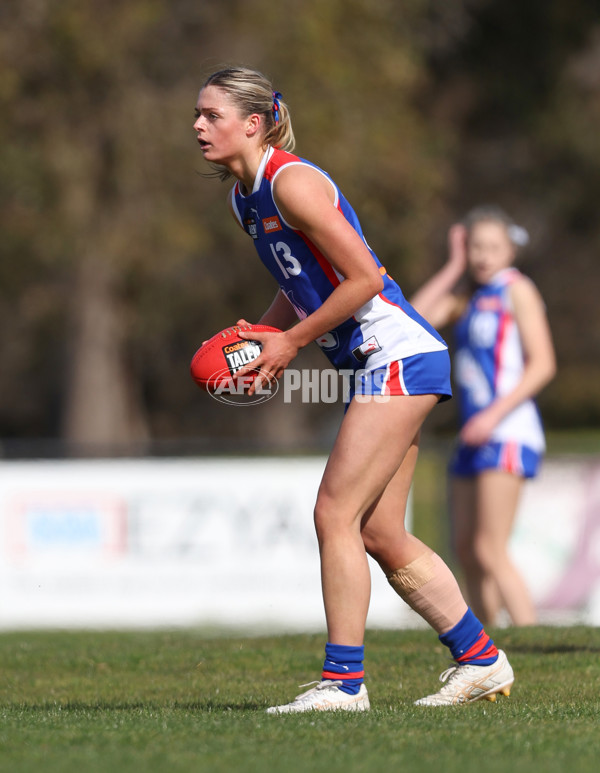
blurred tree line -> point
(118, 256)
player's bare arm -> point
(306, 200)
(280, 313)
(437, 300)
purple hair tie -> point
(276, 97)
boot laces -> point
(318, 686)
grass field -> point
(188, 701)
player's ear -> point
(253, 124)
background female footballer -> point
(504, 357)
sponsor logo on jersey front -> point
(271, 224)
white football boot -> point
(468, 683)
(325, 696)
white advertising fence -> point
(556, 542)
(230, 542)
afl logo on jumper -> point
(271, 224)
(239, 354)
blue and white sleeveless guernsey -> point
(382, 333)
(489, 363)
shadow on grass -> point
(551, 649)
(137, 706)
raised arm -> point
(435, 300)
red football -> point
(219, 359)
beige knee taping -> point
(429, 587)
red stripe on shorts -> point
(393, 383)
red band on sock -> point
(337, 677)
(481, 649)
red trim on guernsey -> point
(334, 676)
(391, 303)
(278, 159)
(503, 326)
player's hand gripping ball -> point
(218, 360)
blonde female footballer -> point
(332, 288)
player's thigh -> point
(498, 494)
(372, 442)
(463, 511)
